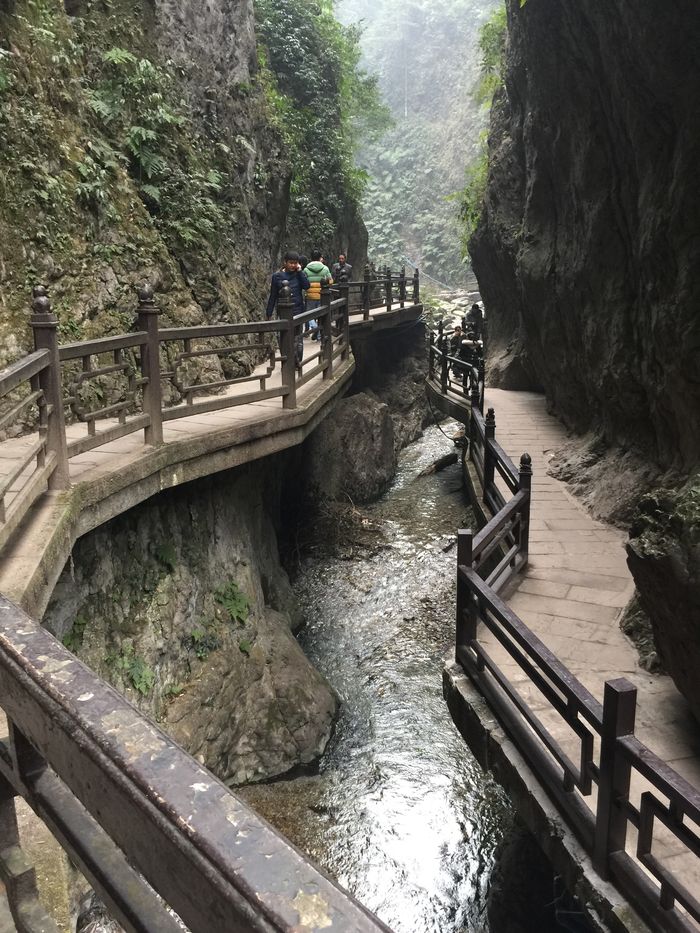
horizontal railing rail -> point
(381, 290)
(600, 760)
(155, 833)
(118, 385)
(26, 397)
(459, 374)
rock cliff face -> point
(664, 556)
(136, 143)
(183, 605)
(588, 258)
(141, 140)
(588, 252)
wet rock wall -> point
(588, 251)
(183, 605)
(588, 258)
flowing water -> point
(399, 812)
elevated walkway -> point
(147, 411)
(601, 758)
(571, 595)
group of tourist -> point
(305, 280)
(466, 341)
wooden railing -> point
(122, 384)
(380, 290)
(152, 830)
(603, 760)
(25, 391)
(456, 375)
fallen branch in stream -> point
(439, 464)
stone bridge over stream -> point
(614, 806)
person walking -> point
(318, 274)
(296, 278)
(342, 269)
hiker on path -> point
(298, 283)
(318, 274)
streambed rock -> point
(182, 604)
(352, 454)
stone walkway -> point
(572, 595)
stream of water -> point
(399, 812)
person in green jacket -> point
(317, 273)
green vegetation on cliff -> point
(325, 104)
(492, 46)
(425, 55)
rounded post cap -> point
(40, 300)
(491, 416)
(526, 463)
(145, 293)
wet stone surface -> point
(399, 812)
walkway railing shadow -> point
(594, 789)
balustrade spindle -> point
(489, 463)
(444, 371)
(466, 615)
(366, 293)
(285, 312)
(619, 712)
(345, 319)
(45, 327)
(388, 289)
(325, 324)
(431, 356)
(150, 366)
(525, 482)
(402, 287)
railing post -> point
(431, 356)
(345, 319)
(442, 341)
(366, 290)
(387, 289)
(45, 326)
(326, 330)
(482, 382)
(285, 312)
(402, 287)
(150, 365)
(416, 287)
(619, 708)
(525, 482)
(466, 620)
(489, 463)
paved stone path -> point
(572, 595)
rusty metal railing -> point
(155, 833)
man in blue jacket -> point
(298, 283)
